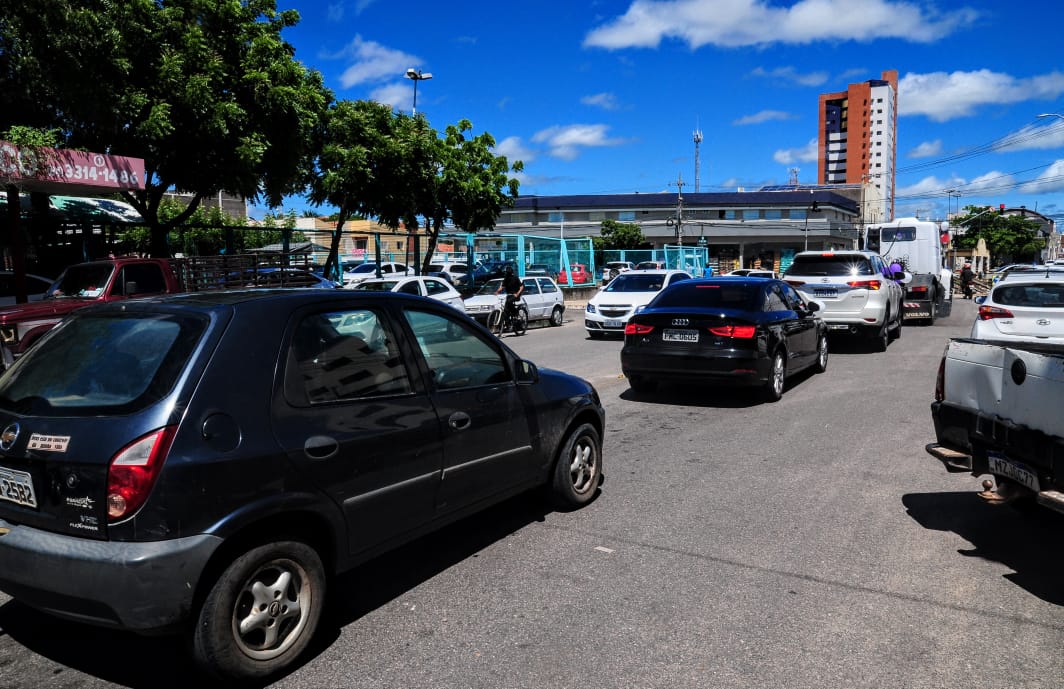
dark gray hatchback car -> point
(205, 462)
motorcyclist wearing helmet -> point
(514, 288)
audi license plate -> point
(17, 487)
(1000, 465)
(671, 335)
(825, 292)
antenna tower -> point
(794, 176)
(698, 140)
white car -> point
(1025, 307)
(542, 297)
(627, 294)
(425, 286)
(615, 268)
(451, 269)
(368, 270)
(856, 291)
(752, 273)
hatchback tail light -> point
(988, 312)
(133, 471)
(865, 284)
(743, 332)
(637, 329)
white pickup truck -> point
(998, 411)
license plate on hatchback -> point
(17, 487)
(670, 335)
(1000, 465)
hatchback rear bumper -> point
(141, 587)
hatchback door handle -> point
(321, 447)
(459, 421)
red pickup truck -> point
(84, 284)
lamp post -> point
(416, 75)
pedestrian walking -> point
(967, 277)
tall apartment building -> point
(858, 143)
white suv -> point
(627, 294)
(856, 291)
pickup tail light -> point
(742, 332)
(132, 472)
(919, 289)
(637, 329)
(988, 312)
(865, 284)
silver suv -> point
(856, 291)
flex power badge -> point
(48, 443)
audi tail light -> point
(133, 471)
(742, 332)
(988, 312)
(865, 284)
(637, 329)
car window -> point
(458, 268)
(410, 287)
(435, 287)
(327, 365)
(455, 353)
(677, 277)
(531, 287)
(791, 297)
(774, 301)
(692, 293)
(636, 282)
(546, 286)
(110, 363)
(1042, 296)
(830, 265)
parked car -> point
(626, 295)
(208, 463)
(578, 273)
(857, 292)
(281, 277)
(425, 286)
(614, 268)
(1024, 306)
(542, 296)
(651, 265)
(541, 270)
(368, 270)
(730, 331)
(482, 273)
(36, 287)
(753, 273)
(450, 270)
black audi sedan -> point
(727, 330)
(206, 462)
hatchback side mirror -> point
(527, 372)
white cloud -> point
(735, 23)
(606, 101)
(790, 74)
(514, 149)
(1034, 136)
(765, 116)
(1050, 181)
(943, 96)
(565, 142)
(399, 96)
(805, 154)
(927, 149)
(374, 63)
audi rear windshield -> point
(699, 294)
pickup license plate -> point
(17, 487)
(825, 292)
(670, 335)
(613, 324)
(1000, 465)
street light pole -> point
(416, 75)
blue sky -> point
(600, 97)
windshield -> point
(899, 234)
(377, 286)
(118, 361)
(490, 286)
(830, 265)
(636, 282)
(85, 280)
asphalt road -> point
(808, 543)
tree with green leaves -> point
(1009, 238)
(206, 92)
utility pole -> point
(679, 209)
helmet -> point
(509, 270)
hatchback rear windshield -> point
(105, 363)
(829, 265)
(1049, 296)
(699, 294)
